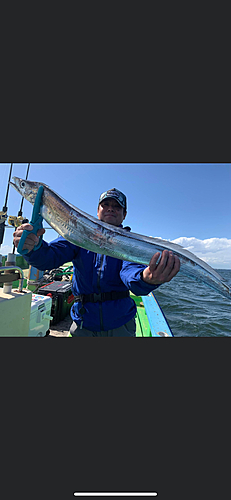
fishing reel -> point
(3, 217)
(16, 221)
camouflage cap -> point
(117, 195)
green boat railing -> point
(142, 324)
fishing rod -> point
(20, 210)
(22, 221)
(3, 214)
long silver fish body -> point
(88, 232)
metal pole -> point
(3, 225)
(8, 186)
(20, 210)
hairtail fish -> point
(88, 232)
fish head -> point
(27, 189)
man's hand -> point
(167, 268)
(31, 241)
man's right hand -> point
(31, 241)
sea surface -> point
(195, 310)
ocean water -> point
(195, 310)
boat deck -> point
(150, 320)
(62, 328)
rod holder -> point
(6, 272)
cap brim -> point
(112, 198)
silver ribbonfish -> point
(88, 232)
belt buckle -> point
(97, 297)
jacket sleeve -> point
(52, 255)
(130, 275)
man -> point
(101, 284)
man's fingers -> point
(164, 271)
(27, 227)
(175, 269)
(169, 265)
(31, 240)
(40, 232)
(164, 261)
(153, 262)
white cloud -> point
(215, 251)
(5, 249)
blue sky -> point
(186, 203)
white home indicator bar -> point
(125, 494)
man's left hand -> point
(164, 271)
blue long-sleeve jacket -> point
(94, 273)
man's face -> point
(110, 211)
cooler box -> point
(62, 299)
(40, 316)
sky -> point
(188, 203)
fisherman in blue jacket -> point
(101, 283)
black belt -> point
(101, 297)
